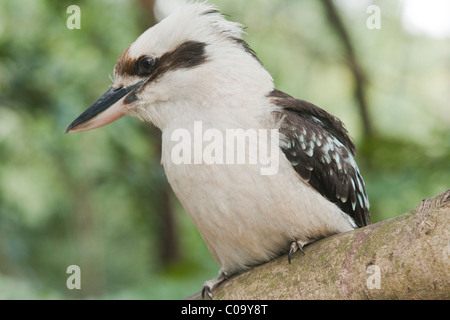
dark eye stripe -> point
(187, 55)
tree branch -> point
(408, 255)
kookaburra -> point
(194, 68)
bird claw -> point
(210, 285)
(206, 291)
(296, 245)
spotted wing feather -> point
(321, 152)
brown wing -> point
(321, 152)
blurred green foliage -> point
(90, 199)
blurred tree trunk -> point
(149, 14)
(167, 242)
(359, 76)
(406, 257)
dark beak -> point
(108, 108)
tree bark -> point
(406, 257)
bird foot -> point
(296, 245)
(210, 285)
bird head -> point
(185, 63)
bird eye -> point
(145, 66)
